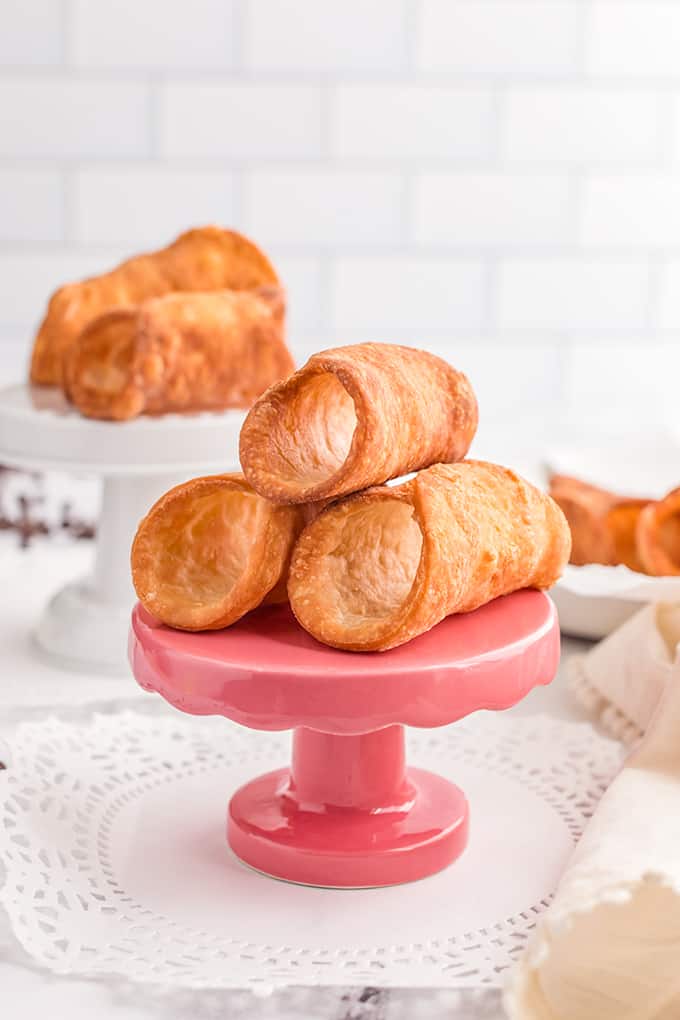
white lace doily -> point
(112, 837)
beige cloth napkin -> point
(608, 948)
(622, 679)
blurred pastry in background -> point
(210, 550)
(622, 522)
(658, 536)
(178, 353)
(585, 507)
(202, 259)
(641, 534)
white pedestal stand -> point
(85, 625)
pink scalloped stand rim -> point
(348, 812)
(267, 673)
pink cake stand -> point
(347, 811)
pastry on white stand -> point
(85, 624)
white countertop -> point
(31, 688)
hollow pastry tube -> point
(621, 522)
(210, 550)
(603, 524)
(658, 536)
(180, 352)
(353, 417)
(206, 258)
(379, 568)
(585, 507)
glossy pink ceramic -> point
(348, 812)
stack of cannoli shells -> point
(641, 534)
(203, 259)
(177, 353)
(368, 566)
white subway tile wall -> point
(573, 293)
(325, 36)
(325, 208)
(413, 292)
(137, 205)
(410, 124)
(58, 117)
(31, 205)
(490, 209)
(514, 36)
(31, 33)
(150, 35)
(561, 125)
(496, 180)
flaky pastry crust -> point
(621, 522)
(603, 525)
(658, 536)
(210, 550)
(203, 259)
(585, 507)
(353, 417)
(181, 352)
(377, 569)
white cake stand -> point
(85, 624)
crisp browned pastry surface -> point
(98, 376)
(181, 352)
(353, 417)
(658, 535)
(585, 507)
(621, 522)
(603, 525)
(207, 258)
(210, 550)
(377, 569)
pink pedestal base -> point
(347, 812)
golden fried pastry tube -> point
(353, 417)
(210, 550)
(207, 258)
(383, 566)
(621, 523)
(603, 525)
(181, 352)
(98, 368)
(658, 536)
(585, 507)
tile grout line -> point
(66, 22)
(68, 205)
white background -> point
(494, 179)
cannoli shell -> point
(658, 536)
(210, 550)
(206, 258)
(383, 566)
(354, 417)
(621, 523)
(181, 352)
(585, 507)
